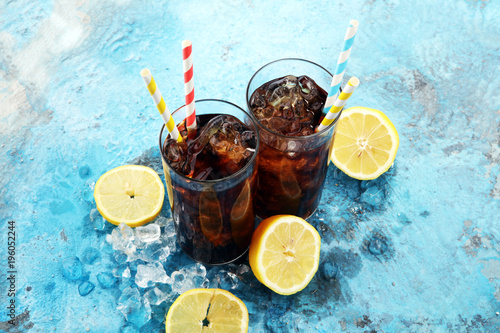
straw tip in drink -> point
(354, 23)
(186, 43)
(354, 81)
(145, 72)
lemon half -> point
(284, 253)
(207, 310)
(131, 194)
(366, 143)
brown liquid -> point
(214, 221)
(291, 171)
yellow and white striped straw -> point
(339, 103)
(160, 104)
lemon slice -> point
(366, 143)
(284, 253)
(131, 194)
(207, 310)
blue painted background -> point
(417, 250)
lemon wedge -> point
(284, 253)
(366, 143)
(207, 310)
(131, 194)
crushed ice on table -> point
(98, 222)
(134, 307)
(85, 288)
(149, 274)
(72, 268)
(155, 296)
(106, 280)
(148, 233)
(90, 254)
(223, 279)
(136, 263)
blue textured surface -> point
(416, 250)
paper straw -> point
(341, 64)
(339, 103)
(187, 62)
(160, 104)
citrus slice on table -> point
(366, 143)
(207, 310)
(131, 194)
(284, 253)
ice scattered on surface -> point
(373, 196)
(189, 277)
(129, 328)
(126, 273)
(377, 246)
(329, 270)
(149, 274)
(85, 288)
(72, 268)
(223, 279)
(148, 233)
(98, 222)
(90, 255)
(106, 280)
(155, 296)
(133, 307)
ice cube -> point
(122, 239)
(129, 328)
(373, 196)
(133, 307)
(106, 280)
(155, 296)
(154, 252)
(180, 283)
(120, 257)
(90, 255)
(162, 221)
(227, 280)
(377, 246)
(149, 274)
(220, 278)
(97, 220)
(329, 270)
(85, 288)
(126, 273)
(72, 268)
(148, 233)
(197, 273)
(245, 274)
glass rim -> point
(287, 137)
(234, 175)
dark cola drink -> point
(293, 159)
(223, 145)
(211, 182)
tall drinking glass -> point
(214, 219)
(292, 169)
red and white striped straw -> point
(187, 62)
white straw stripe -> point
(351, 32)
(344, 56)
(147, 78)
(166, 117)
(189, 86)
(187, 64)
(189, 109)
(156, 96)
(337, 79)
